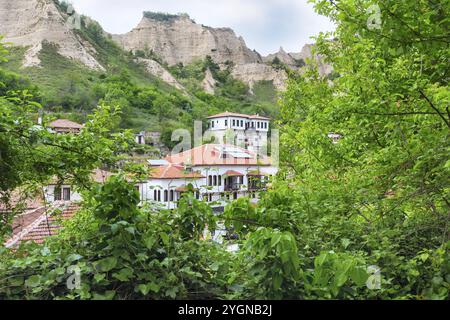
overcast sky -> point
(265, 24)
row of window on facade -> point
(214, 180)
(168, 195)
(242, 124)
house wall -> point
(255, 134)
(225, 123)
(208, 193)
(49, 192)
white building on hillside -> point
(217, 172)
(247, 131)
(58, 191)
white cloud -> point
(265, 24)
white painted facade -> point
(249, 132)
(64, 193)
(216, 187)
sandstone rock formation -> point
(307, 54)
(178, 39)
(172, 38)
(154, 68)
(284, 57)
(251, 73)
(209, 83)
(29, 23)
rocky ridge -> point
(173, 39)
(30, 23)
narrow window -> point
(226, 123)
(242, 123)
(159, 195)
(215, 180)
(171, 195)
(57, 194)
(66, 194)
(155, 195)
(166, 195)
(210, 181)
(220, 180)
(234, 123)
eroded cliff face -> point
(29, 23)
(157, 70)
(307, 55)
(172, 38)
(251, 73)
(284, 57)
(180, 40)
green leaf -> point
(345, 243)
(359, 276)
(164, 238)
(277, 281)
(106, 264)
(172, 292)
(146, 288)
(107, 295)
(73, 257)
(99, 277)
(123, 275)
(149, 242)
(33, 281)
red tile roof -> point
(19, 197)
(65, 124)
(232, 173)
(173, 171)
(258, 117)
(211, 154)
(98, 175)
(44, 226)
(238, 115)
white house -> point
(217, 172)
(64, 126)
(58, 191)
(247, 131)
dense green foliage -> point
(378, 199)
(162, 16)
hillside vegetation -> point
(69, 89)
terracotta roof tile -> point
(232, 173)
(173, 171)
(43, 226)
(238, 115)
(98, 175)
(211, 154)
(65, 124)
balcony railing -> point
(233, 187)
